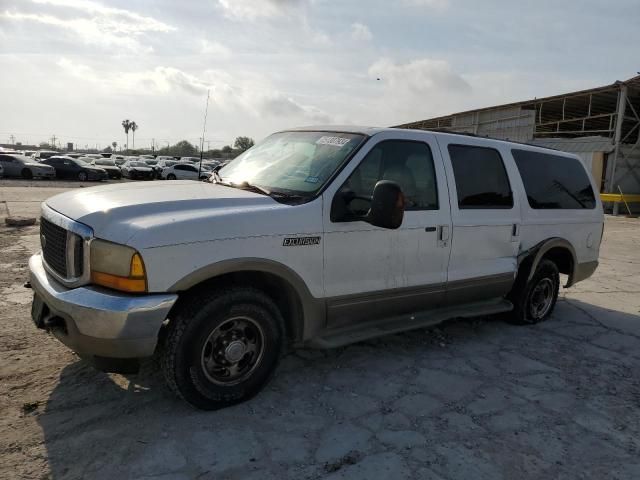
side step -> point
(356, 333)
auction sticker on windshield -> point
(334, 141)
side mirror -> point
(387, 205)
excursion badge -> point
(300, 241)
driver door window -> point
(408, 163)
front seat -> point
(403, 176)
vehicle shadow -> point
(324, 405)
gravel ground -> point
(471, 399)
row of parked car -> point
(97, 167)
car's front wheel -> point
(27, 174)
(534, 300)
(222, 347)
(82, 176)
(171, 176)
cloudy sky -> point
(77, 68)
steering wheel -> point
(349, 196)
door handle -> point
(443, 233)
(430, 229)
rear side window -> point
(554, 182)
(481, 179)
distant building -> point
(601, 125)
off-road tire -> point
(522, 294)
(27, 174)
(189, 328)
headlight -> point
(117, 266)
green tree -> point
(227, 149)
(114, 145)
(243, 143)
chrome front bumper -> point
(100, 322)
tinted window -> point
(481, 180)
(409, 164)
(552, 181)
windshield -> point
(292, 162)
(137, 164)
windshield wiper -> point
(254, 188)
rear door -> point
(486, 218)
(372, 272)
(10, 165)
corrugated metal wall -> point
(511, 123)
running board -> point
(357, 333)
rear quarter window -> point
(553, 181)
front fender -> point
(313, 309)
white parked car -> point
(313, 237)
(190, 159)
(184, 171)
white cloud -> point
(422, 76)
(360, 32)
(253, 9)
(215, 49)
(97, 24)
(228, 93)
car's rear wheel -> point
(534, 300)
(82, 176)
(171, 176)
(27, 174)
(222, 347)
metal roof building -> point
(601, 124)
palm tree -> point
(126, 124)
(133, 126)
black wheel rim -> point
(232, 351)
(541, 298)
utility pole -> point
(153, 145)
(13, 139)
(53, 141)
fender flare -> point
(313, 309)
(535, 254)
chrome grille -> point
(54, 246)
(62, 250)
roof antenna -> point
(204, 129)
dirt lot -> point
(472, 399)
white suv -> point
(315, 237)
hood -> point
(166, 213)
